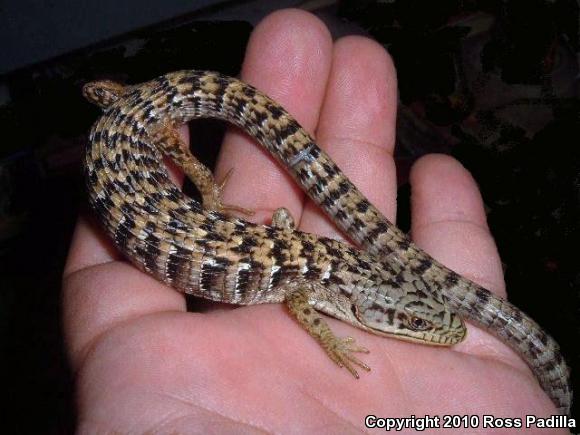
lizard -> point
(388, 287)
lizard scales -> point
(392, 288)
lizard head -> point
(103, 93)
(409, 312)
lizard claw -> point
(341, 350)
(226, 208)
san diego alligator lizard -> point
(390, 288)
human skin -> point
(142, 363)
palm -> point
(144, 363)
(253, 367)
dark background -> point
(494, 83)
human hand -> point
(143, 363)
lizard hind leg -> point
(167, 139)
(282, 219)
(339, 350)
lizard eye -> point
(419, 324)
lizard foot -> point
(214, 202)
(340, 350)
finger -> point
(288, 58)
(357, 125)
(98, 298)
(449, 222)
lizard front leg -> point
(339, 350)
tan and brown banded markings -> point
(391, 288)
